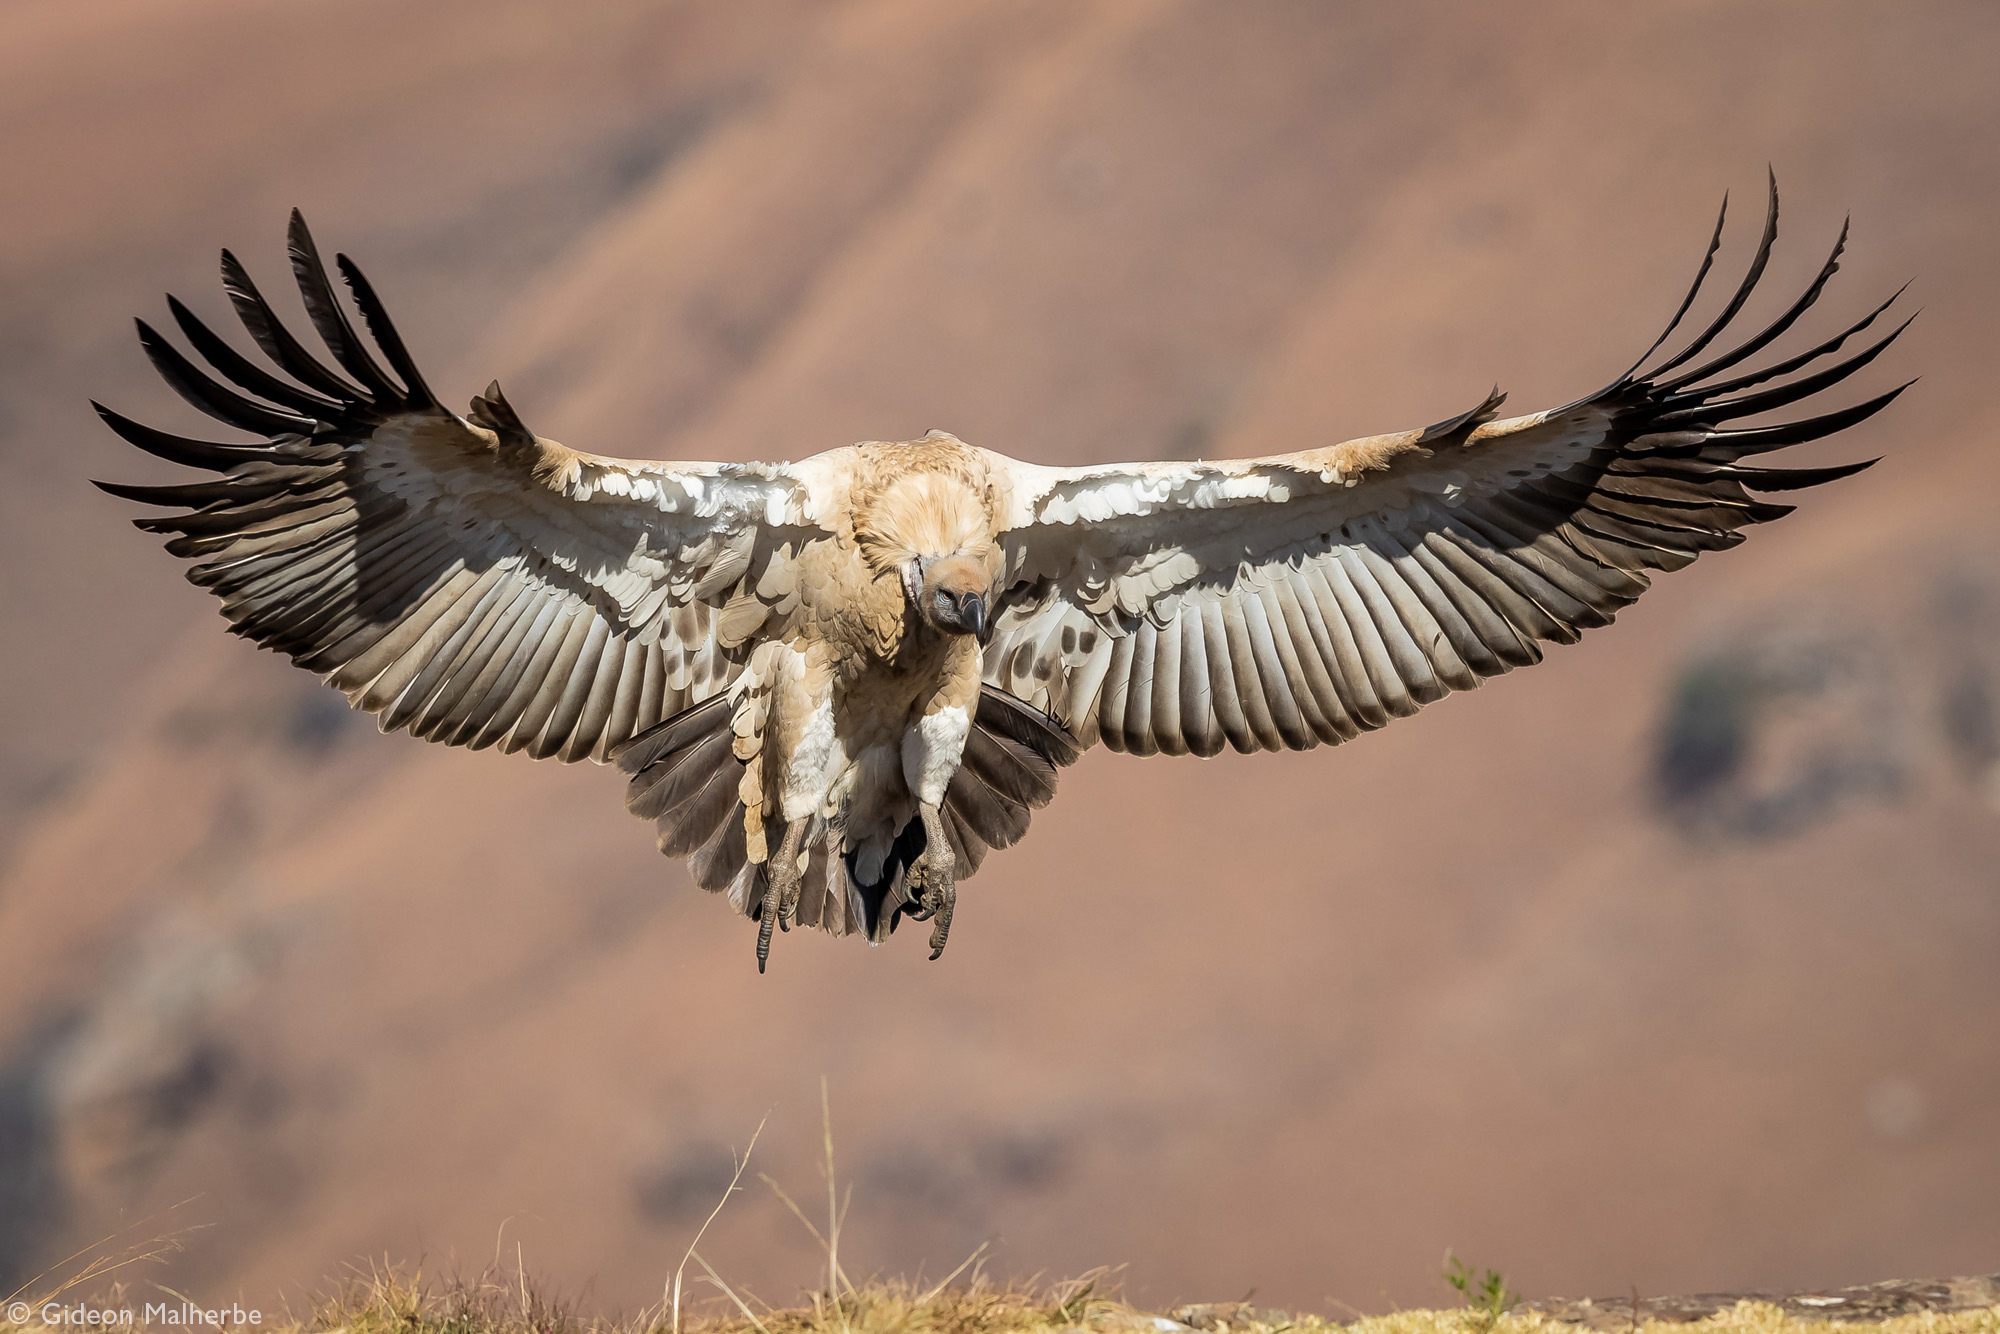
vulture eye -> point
(944, 601)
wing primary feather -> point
(269, 332)
(1570, 596)
(1793, 479)
(324, 310)
(1403, 583)
(1801, 360)
(376, 315)
(483, 679)
(416, 567)
(1771, 332)
(225, 405)
(1749, 405)
(1765, 438)
(1474, 659)
(1757, 265)
(188, 494)
(1687, 302)
(179, 449)
(247, 373)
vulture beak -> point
(972, 615)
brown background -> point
(1670, 963)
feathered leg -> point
(781, 888)
(932, 879)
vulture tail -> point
(1009, 769)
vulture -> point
(837, 684)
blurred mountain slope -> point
(1496, 979)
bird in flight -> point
(837, 684)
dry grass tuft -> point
(389, 1302)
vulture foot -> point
(782, 883)
(931, 881)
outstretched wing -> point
(1285, 601)
(461, 578)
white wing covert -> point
(460, 578)
(1300, 598)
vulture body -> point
(838, 683)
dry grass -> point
(386, 1302)
(108, 1277)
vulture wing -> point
(1285, 601)
(461, 578)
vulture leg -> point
(931, 880)
(781, 889)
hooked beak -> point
(972, 615)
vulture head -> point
(950, 593)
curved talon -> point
(788, 902)
(947, 899)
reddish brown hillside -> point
(1666, 963)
